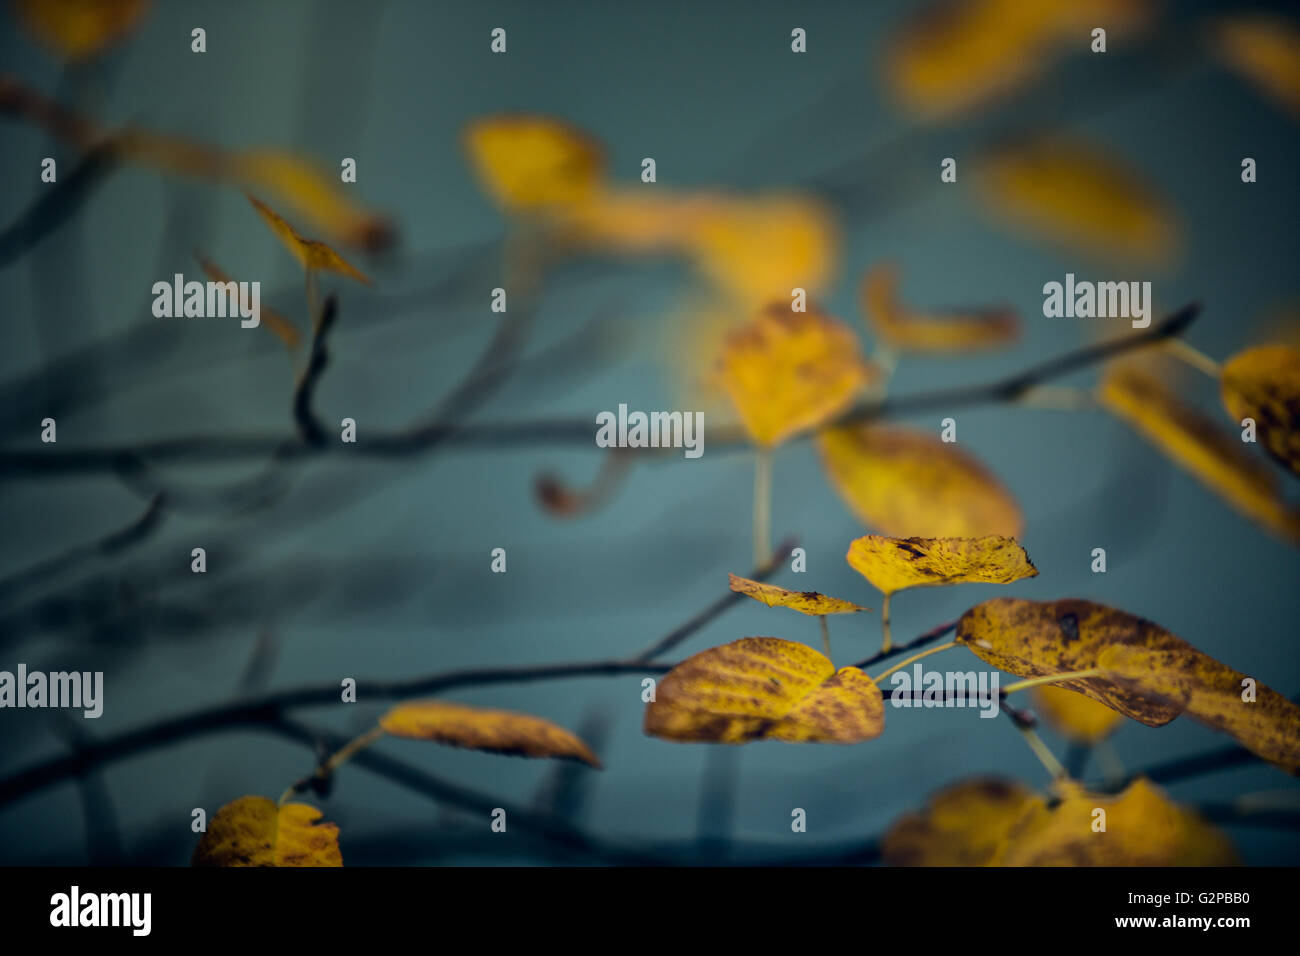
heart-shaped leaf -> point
(253, 831)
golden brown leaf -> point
(789, 371)
(895, 564)
(534, 163)
(253, 831)
(805, 602)
(78, 29)
(310, 253)
(281, 327)
(1199, 445)
(1265, 49)
(496, 731)
(1076, 194)
(962, 825)
(906, 482)
(1074, 716)
(944, 332)
(1264, 384)
(761, 688)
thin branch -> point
(310, 427)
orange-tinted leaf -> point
(534, 162)
(497, 731)
(805, 602)
(962, 825)
(310, 253)
(1264, 384)
(895, 564)
(1265, 49)
(78, 29)
(944, 332)
(906, 482)
(253, 831)
(281, 327)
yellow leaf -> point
(1264, 384)
(253, 831)
(1199, 445)
(1074, 716)
(761, 688)
(962, 825)
(1076, 194)
(634, 221)
(497, 731)
(1143, 828)
(310, 253)
(78, 29)
(895, 564)
(905, 482)
(281, 327)
(789, 371)
(945, 332)
(805, 602)
(1266, 50)
(534, 162)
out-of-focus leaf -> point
(253, 831)
(534, 163)
(1074, 716)
(895, 564)
(789, 371)
(78, 29)
(963, 825)
(634, 221)
(905, 482)
(805, 602)
(1199, 445)
(954, 331)
(310, 253)
(1264, 384)
(496, 731)
(1076, 194)
(281, 327)
(1265, 49)
(764, 688)
(1143, 828)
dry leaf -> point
(496, 731)
(789, 371)
(943, 332)
(895, 564)
(253, 831)
(1265, 49)
(962, 825)
(78, 29)
(310, 253)
(532, 163)
(764, 688)
(281, 327)
(906, 482)
(1264, 384)
(1199, 445)
(1081, 196)
(1074, 716)
(805, 602)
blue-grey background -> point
(380, 569)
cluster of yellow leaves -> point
(253, 831)
(78, 29)
(993, 822)
(1078, 195)
(1143, 671)
(895, 564)
(495, 731)
(901, 328)
(764, 688)
(1263, 383)
(805, 602)
(1265, 49)
(907, 482)
(1192, 440)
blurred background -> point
(378, 567)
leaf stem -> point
(336, 760)
(1193, 356)
(763, 507)
(915, 657)
(887, 643)
(1043, 753)
(826, 635)
(313, 298)
(1050, 679)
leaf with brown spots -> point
(789, 371)
(1264, 384)
(965, 824)
(905, 482)
(895, 564)
(1074, 716)
(534, 163)
(1199, 445)
(805, 602)
(310, 253)
(954, 331)
(496, 731)
(764, 688)
(253, 831)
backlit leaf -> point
(1199, 445)
(1265, 49)
(764, 688)
(253, 831)
(1076, 194)
(895, 564)
(962, 825)
(906, 482)
(941, 332)
(497, 731)
(281, 327)
(789, 371)
(1264, 384)
(534, 162)
(1074, 716)
(805, 602)
(78, 29)
(310, 253)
